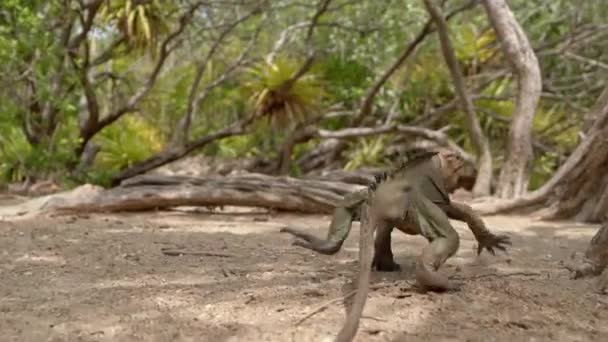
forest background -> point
(100, 91)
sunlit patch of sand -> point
(41, 258)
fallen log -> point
(150, 192)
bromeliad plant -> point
(279, 98)
(140, 22)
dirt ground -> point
(105, 278)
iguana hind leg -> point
(433, 256)
(444, 241)
(339, 229)
(602, 282)
(383, 254)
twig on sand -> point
(498, 275)
(374, 318)
(325, 305)
(178, 252)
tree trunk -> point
(478, 138)
(579, 188)
(595, 262)
(514, 175)
(582, 193)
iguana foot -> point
(311, 242)
(602, 283)
(454, 286)
(385, 263)
(491, 241)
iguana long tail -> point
(387, 205)
(339, 229)
(366, 236)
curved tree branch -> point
(480, 141)
(513, 179)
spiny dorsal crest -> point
(408, 159)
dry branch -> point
(252, 190)
(437, 136)
(195, 98)
(92, 123)
(366, 106)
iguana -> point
(402, 201)
(434, 174)
(596, 260)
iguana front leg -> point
(485, 239)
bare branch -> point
(106, 55)
(480, 141)
(178, 152)
(311, 52)
(91, 9)
(367, 102)
(183, 128)
(586, 60)
(166, 48)
(429, 134)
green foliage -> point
(141, 22)
(544, 168)
(474, 48)
(368, 151)
(428, 83)
(355, 43)
(346, 79)
(235, 147)
(130, 140)
(266, 83)
(19, 159)
(14, 152)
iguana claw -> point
(492, 241)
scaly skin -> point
(397, 201)
(447, 168)
(387, 204)
(432, 223)
(414, 199)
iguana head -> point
(451, 165)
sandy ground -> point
(104, 278)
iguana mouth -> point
(458, 168)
